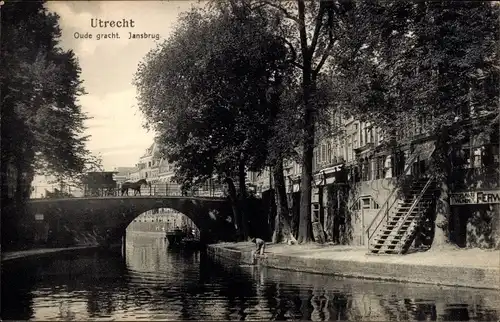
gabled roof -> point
(149, 151)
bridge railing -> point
(170, 189)
(155, 189)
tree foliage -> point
(206, 91)
(429, 68)
(312, 30)
(428, 61)
(41, 122)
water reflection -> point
(325, 298)
(151, 282)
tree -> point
(285, 117)
(310, 30)
(430, 64)
(41, 124)
(204, 91)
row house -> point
(153, 167)
(354, 180)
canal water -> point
(149, 282)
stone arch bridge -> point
(104, 219)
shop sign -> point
(38, 217)
(475, 197)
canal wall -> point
(469, 268)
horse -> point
(136, 186)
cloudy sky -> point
(108, 66)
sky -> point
(108, 66)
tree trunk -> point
(243, 199)
(442, 216)
(234, 205)
(305, 229)
(22, 221)
(282, 228)
(443, 210)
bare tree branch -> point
(293, 60)
(283, 10)
(331, 43)
(317, 28)
(302, 31)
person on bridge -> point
(261, 246)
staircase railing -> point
(385, 206)
(415, 203)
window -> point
(329, 152)
(365, 170)
(349, 150)
(341, 148)
(491, 156)
(362, 135)
(365, 202)
(380, 136)
(476, 158)
(379, 167)
(477, 154)
(323, 153)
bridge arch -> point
(82, 216)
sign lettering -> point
(475, 197)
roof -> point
(148, 151)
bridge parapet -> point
(154, 190)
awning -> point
(330, 175)
(424, 150)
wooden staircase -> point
(398, 228)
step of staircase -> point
(392, 224)
(390, 227)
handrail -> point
(355, 201)
(415, 203)
(410, 163)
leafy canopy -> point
(42, 122)
(205, 91)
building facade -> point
(355, 175)
(153, 167)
